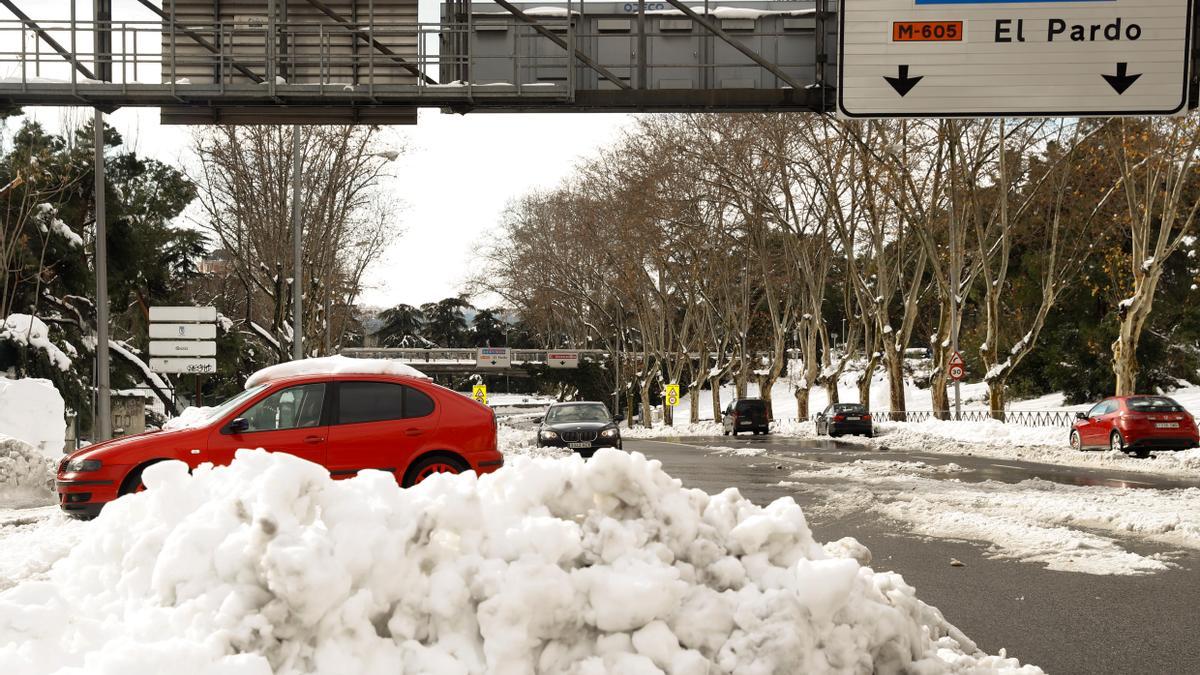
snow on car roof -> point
(333, 365)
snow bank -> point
(33, 411)
(25, 474)
(30, 330)
(1086, 529)
(333, 365)
(554, 566)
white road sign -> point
(197, 366)
(183, 314)
(940, 58)
(566, 359)
(182, 348)
(493, 357)
(183, 331)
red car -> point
(1136, 424)
(405, 425)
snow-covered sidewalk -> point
(549, 565)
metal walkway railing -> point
(1029, 418)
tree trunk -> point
(1125, 365)
(714, 384)
(895, 369)
(802, 403)
(996, 398)
(864, 382)
(831, 390)
(647, 417)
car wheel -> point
(1076, 441)
(1116, 443)
(133, 480)
(428, 466)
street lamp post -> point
(298, 248)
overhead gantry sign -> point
(976, 58)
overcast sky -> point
(455, 181)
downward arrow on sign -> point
(904, 84)
(1122, 80)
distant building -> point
(219, 263)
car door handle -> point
(413, 432)
(313, 440)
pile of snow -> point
(333, 365)
(29, 330)
(33, 411)
(555, 566)
(26, 476)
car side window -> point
(416, 403)
(360, 402)
(1097, 410)
(292, 408)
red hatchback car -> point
(408, 426)
(1136, 424)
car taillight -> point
(839, 418)
(867, 417)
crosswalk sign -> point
(479, 393)
(671, 394)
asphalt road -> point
(1065, 622)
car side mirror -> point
(1081, 416)
(537, 420)
(239, 425)
(618, 418)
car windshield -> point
(228, 406)
(1153, 404)
(750, 406)
(849, 408)
(577, 413)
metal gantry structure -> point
(372, 61)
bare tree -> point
(244, 182)
(1157, 163)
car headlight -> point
(548, 435)
(83, 465)
(608, 433)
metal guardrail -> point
(1029, 418)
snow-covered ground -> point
(1064, 527)
(550, 565)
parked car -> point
(1135, 424)
(404, 425)
(746, 414)
(841, 419)
(582, 426)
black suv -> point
(844, 418)
(746, 414)
(584, 427)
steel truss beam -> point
(199, 39)
(379, 46)
(749, 53)
(536, 25)
(62, 51)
